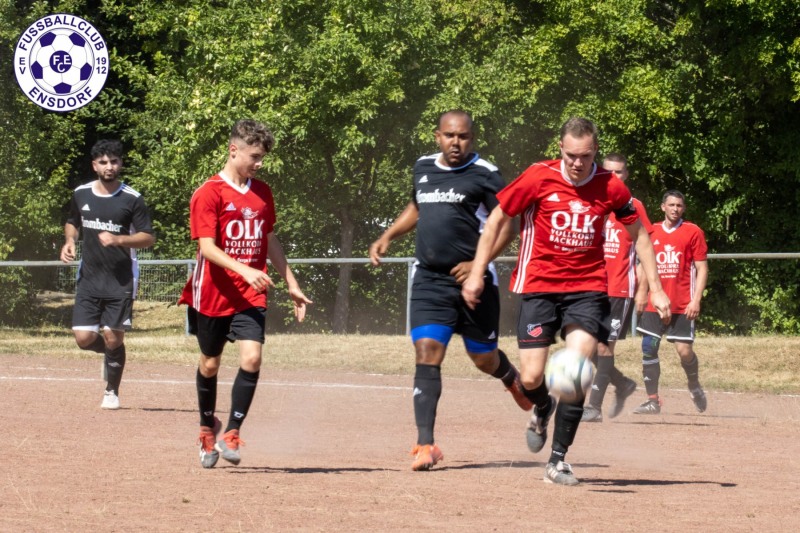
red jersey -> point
(239, 220)
(676, 251)
(619, 251)
(561, 248)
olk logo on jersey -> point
(573, 228)
(669, 256)
(245, 229)
(611, 245)
(669, 261)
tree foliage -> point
(701, 95)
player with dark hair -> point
(453, 192)
(681, 254)
(620, 258)
(561, 272)
(232, 217)
(114, 222)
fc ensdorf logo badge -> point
(61, 62)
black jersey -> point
(108, 272)
(453, 205)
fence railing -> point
(162, 279)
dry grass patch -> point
(740, 364)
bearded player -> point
(681, 253)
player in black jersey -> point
(114, 221)
(453, 193)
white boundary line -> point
(311, 384)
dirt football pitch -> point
(329, 452)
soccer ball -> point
(61, 61)
(568, 375)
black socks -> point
(244, 388)
(427, 390)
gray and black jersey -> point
(453, 205)
(112, 271)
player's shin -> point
(692, 371)
(206, 398)
(651, 366)
(567, 418)
(427, 390)
(242, 393)
(602, 378)
(115, 364)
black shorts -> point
(214, 331)
(90, 313)
(679, 328)
(621, 313)
(436, 299)
(542, 314)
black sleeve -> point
(74, 216)
(141, 217)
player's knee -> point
(650, 346)
(209, 366)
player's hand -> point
(661, 302)
(300, 302)
(257, 279)
(377, 250)
(692, 310)
(68, 252)
(471, 290)
(107, 239)
(461, 271)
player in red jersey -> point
(681, 253)
(560, 272)
(620, 257)
(232, 217)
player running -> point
(114, 221)
(619, 253)
(681, 253)
(232, 217)
(560, 272)
(453, 192)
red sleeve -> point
(203, 213)
(643, 215)
(622, 203)
(518, 195)
(699, 246)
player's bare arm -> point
(278, 259)
(405, 222)
(693, 309)
(497, 224)
(137, 240)
(647, 259)
(253, 277)
(70, 238)
(462, 270)
(640, 296)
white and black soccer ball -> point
(62, 61)
(568, 375)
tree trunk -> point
(341, 309)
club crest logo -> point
(61, 62)
(534, 330)
(577, 207)
(248, 213)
